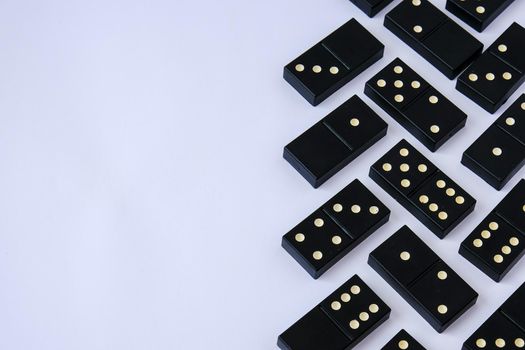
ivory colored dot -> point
(442, 215)
(403, 345)
(364, 316)
(405, 183)
(354, 122)
(319, 222)
(506, 250)
(404, 167)
(498, 258)
(423, 199)
(442, 309)
(354, 324)
(422, 168)
(387, 167)
(442, 275)
(480, 10)
(497, 151)
(336, 306)
(490, 76)
(507, 76)
(336, 240)
(523, 208)
(416, 84)
(519, 342)
(403, 152)
(399, 98)
(418, 29)
(317, 255)
(398, 84)
(493, 226)
(500, 343)
(373, 210)
(441, 184)
(502, 48)
(373, 308)
(514, 241)
(433, 99)
(381, 83)
(434, 129)
(337, 208)
(334, 70)
(481, 343)
(398, 69)
(485, 234)
(523, 106)
(355, 290)
(416, 2)
(317, 69)
(478, 243)
(460, 200)
(299, 237)
(355, 208)
(405, 256)
(345, 297)
(299, 67)
(510, 121)
(473, 77)
(433, 207)
(450, 192)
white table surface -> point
(143, 190)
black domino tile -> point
(402, 341)
(333, 62)
(424, 190)
(438, 39)
(336, 140)
(478, 13)
(417, 106)
(498, 242)
(337, 227)
(371, 7)
(499, 153)
(498, 73)
(427, 283)
(339, 322)
(504, 329)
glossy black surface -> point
(403, 340)
(371, 7)
(478, 13)
(417, 106)
(429, 285)
(336, 228)
(334, 61)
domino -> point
(427, 283)
(336, 140)
(498, 72)
(403, 341)
(499, 153)
(417, 106)
(505, 329)
(424, 190)
(339, 322)
(337, 227)
(478, 14)
(371, 7)
(333, 62)
(498, 242)
(433, 35)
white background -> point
(143, 194)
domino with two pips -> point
(498, 242)
(437, 38)
(337, 227)
(478, 13)
(339, 322)
(424, 190)
(505, 329)
(499, 153)
(415, 104)
(403, 341)
(427, 283)
(333, 62)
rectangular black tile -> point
(402, 341)
(371, 7)
(478, 13)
